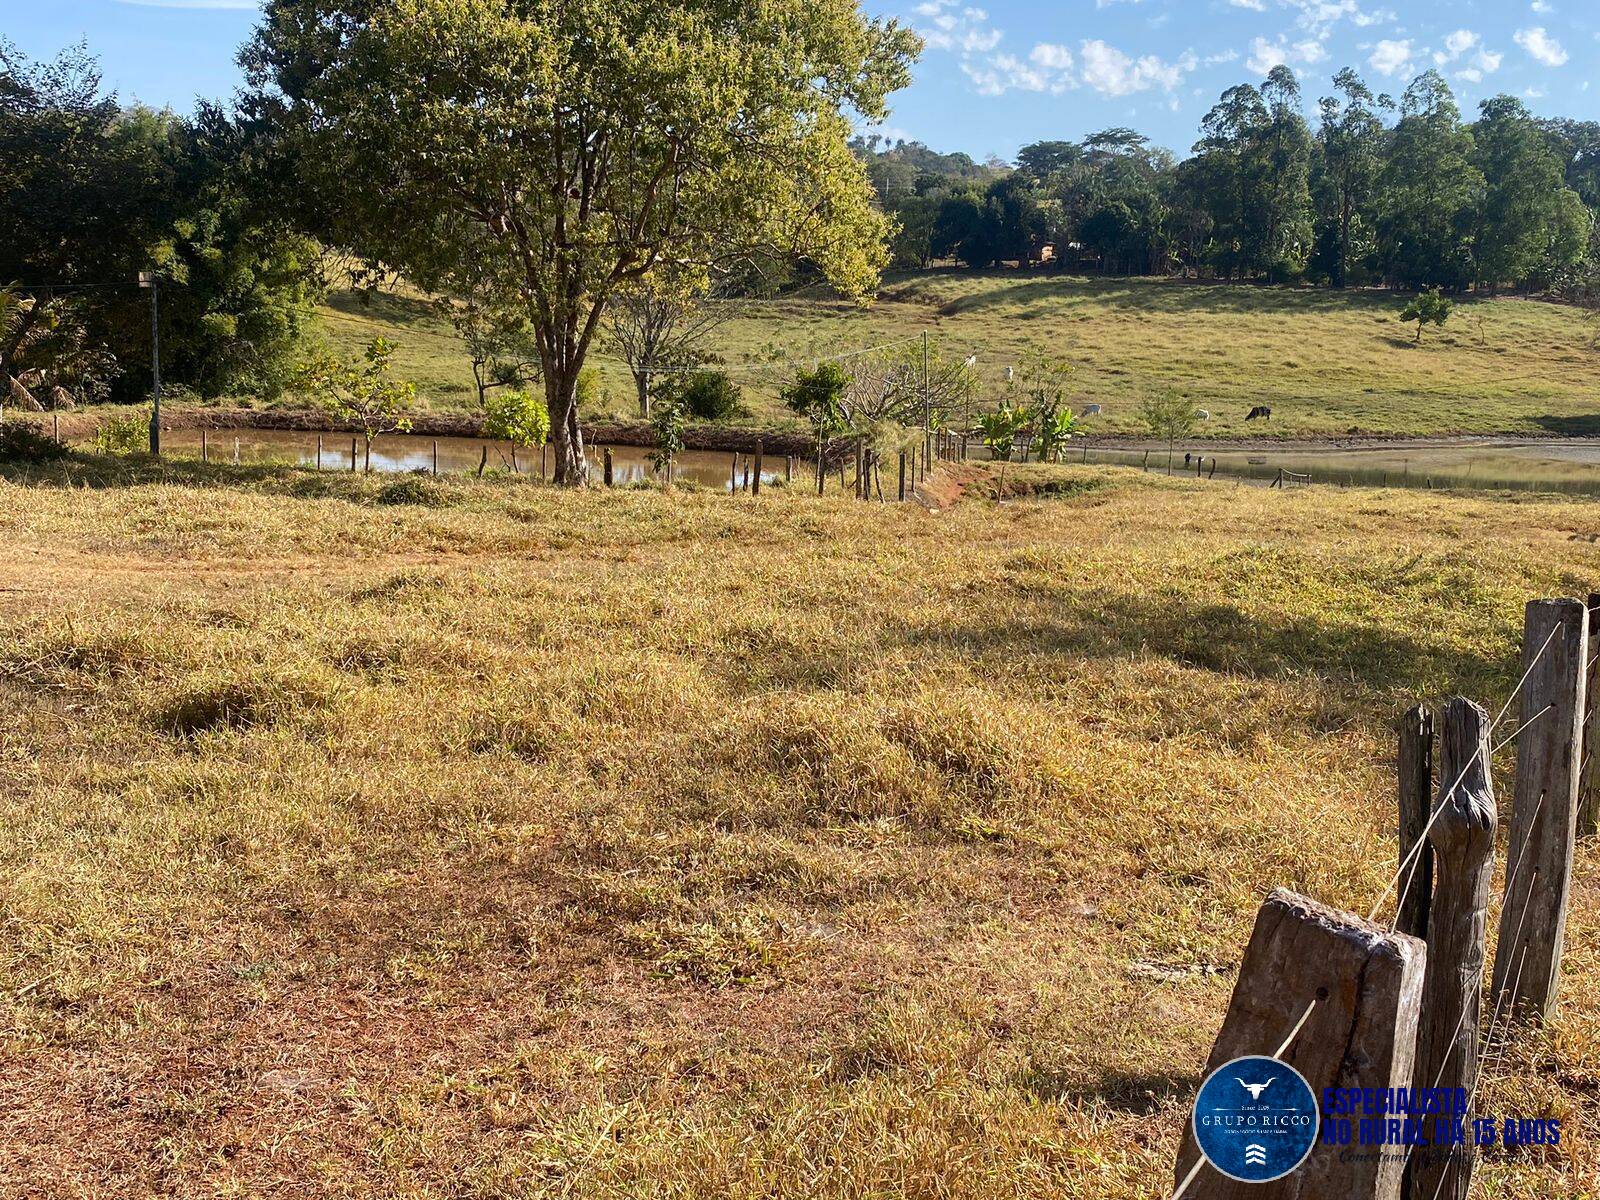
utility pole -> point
(147, 279)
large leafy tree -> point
(1525, 200)
(584, 146)
(92, 193)
(1351, 140)
(1430, 191)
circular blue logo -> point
(1255, 1119)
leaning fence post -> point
(1357, 988)
(1462, 837)
(607, 465)
(1589, 784)
(1416, 806)
(755, 477)
(1527, 963)
(733, 474)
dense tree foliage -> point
(575, 149)
(1381, 191)
(93, 193)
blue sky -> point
(998, 74)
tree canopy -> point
(580, 147)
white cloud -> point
(1112, 73)
(1391, 57)
(1265, 55)
(946, 25)
(1455, 45)
(1049, 69)
(1252, 5)
(1541, 46)
(1056, 58)
(1484, 62)
(1542, 8)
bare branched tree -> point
(899, 385)
(660, 328)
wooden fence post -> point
(1527, 963)
(1416, 806)
(902, 475)
(788, 468)
(1589, 785)
(1448, 1035)
(205, 447)
(607, 466)
(755, 478)
(319, 452)
(1363, 987)
(436, 456)
(352, 456)
(733, 474)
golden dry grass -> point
(524, 844)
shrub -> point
(125, 434)
(414, 489)
(711, 395)
(22, 443)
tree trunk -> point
(566, 436)
(641, 383)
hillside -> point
(1326, 363)
(489, 841)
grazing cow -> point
(1260, 410)
(1091, 410)
(1202, 414)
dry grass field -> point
(1326, 363)
(466, 839)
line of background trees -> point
(1377, 191)
(91, 193)
(1380, 191)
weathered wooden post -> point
(1416, 806)
(319, 452)
(1462, 837)
(755, 477)
(352, 456)
(436, 456)
(1589, 785)
(607, 465)
(1363, 987)
(55, 426)
(1527, 963)
(205, 446)
(902, 476)
(788, 469)
(733, 474)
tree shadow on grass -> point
(1155, 295)
(101, 471)
(1140, 1093)
(1569, 426)
(1222, 637)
